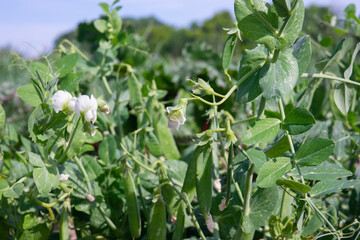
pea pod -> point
(132, 206)
(228, 52)
(152, 143)
(157, 223)
(180, 223)
(64, 226)
(189, 186)
(204, 183)
(135, 91)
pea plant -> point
(101, 158)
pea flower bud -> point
(202, 88)
(103, 107)
(61, 100)
(89, 197)
(86, 107)
(210, 223)
(217, 185)
(176, 115)
(64, 177)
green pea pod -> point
(157, 223)
(165, 137)
(180, 223)
(204, 183)
(152, 143)
(228, 52)
(135, 91)
(64, 226)
(132, 206)
(189, 186)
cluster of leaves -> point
(278, 160)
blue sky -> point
(32, 25)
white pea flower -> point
(71, 105)
(217, 185)
(61, 100)
(223, 204)
(176, 115)
(64, 177)
(86, 107)
(210, 223)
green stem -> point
(325, 76)
(136, 161)
(246, 211)
(84, 173)
(229, 174)
(63, 156)
(107, 219)
(107, 85)
(218, 103)
(76, 49)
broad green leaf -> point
(253, 21)
(46, 179)
(14, 191)
(256, 157)
(100, 25)
(3, 186)
(28, 221)
(135, 91)
(341, 138)
(92, 167)
(71, 81)
(176, 170)
(327, 62)
(262, 205)
(115, 22)
(314, 151)
(204, 183)
(293, 185)
(2, 117)
(279, 148)
(298, 121)
(35, 160)
(66, 64)
(331, 186)
(28, 94)
(107, 149)
(313, 225)
(249, 89)
(228, 51)
(279, 78)
(302, 53)
(11, 136)
(343, 97)
(293, 21)
(322, 172)
(105, 7)
(40, 232)
(261, 131)
(271, 171)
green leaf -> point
(253, 22)
(100, 25)
(28, 94)
(28, 221)
(256, 157)
(105, 7)
(38, 68)
(249, 88)
(302, 53)
(35, 160)
(107, 149)
(46, 179)
(279, 78)
(262, 205)
(327, 62)
(204, 183)
(14, 191)
(71, 81)
(331, 186)
(314, 224)
(279, 148)
(298, 121)
(66, 64)
(153, 144)
(293, 21)
(228, 51)
(2, 117)
(115, 22)
(314, 151)
(343, 97)
(3, 186)
(322, 172)
(261, 131)
(293, 185)
(271, 171)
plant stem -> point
(107, 219)
(107, 85)
(321, 75)
(63, 156)
(229, 174)
(84, 173)
(136, 161)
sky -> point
(31, 26)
